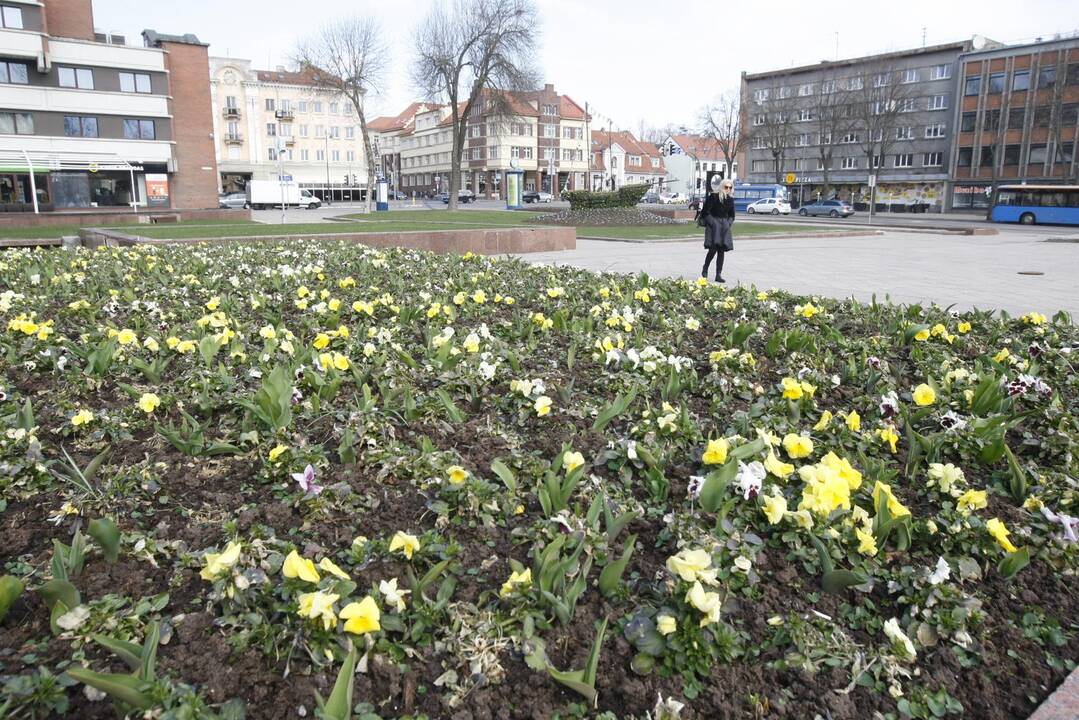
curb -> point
(765, 236)
(1063, 704)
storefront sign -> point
(157, 189)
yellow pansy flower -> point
(854, 421)
(82, 417)
(924, 395)
(407, 544)
(542, 405)
(572, 460)
(797, 446)
(775, 507)
(277, 452)
(716, 452)
(972, 500)
(126, 337)
(296, 566)
(1000, 533)
(777, 467)
(825, 418)
(217, 563)
(517, 580)
(362, 617)
(149, 402)
(456, 474)
(331, 567)
(867, 544)
(318, 605)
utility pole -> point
(326, 137)
(610, 154)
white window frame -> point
(938, 156)
(849, 163)
(910, 75)
(941, 72)
(939, 130)
(938, 102)
(906, 158)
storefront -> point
(43, 183)
(890, 197)
(971, 197)
(17, 192)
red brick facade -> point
(194, 182)
(70, 19)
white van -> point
(268, 194)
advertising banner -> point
(157, 189)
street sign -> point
(791, 178)
(284, 178)
(872, 181)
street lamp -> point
(326, 137)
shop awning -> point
(23, 162)
(31, 163)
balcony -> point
(231, 113)
(234, 138)
(284, 115)
(290, 141)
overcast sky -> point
(631, 60)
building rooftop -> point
(961, 46)
(154, 39)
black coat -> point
(718, 207)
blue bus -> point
(1036, 204)
(747, 193)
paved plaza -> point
(905, 267)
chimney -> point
(548, 88)
(70, 19)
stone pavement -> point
(905, 267)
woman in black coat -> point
(718, 214)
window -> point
(333, 108)
(11, 18)
(855, 83)
(13, 72)
(320, 131)
(878, 161)
(933, 159)
(1021, 80)
(303, 131)
(910, 75)
(996, 83)
(761, 95)
(301, 106)
(335, 132)
(825, 138)
(907, 105)
(904, 133)
(1047, 77)
(550, 110)
(1069, 115)
(988, 156)
(525, 153)
(941, 72)
(550, 131)
(320, 155)
(335, 155)
(271, 129)
(849, 163)
(849, 138)
(934, 131)
(82, 78)
(568, 154)
(477, 153)
(967, 122)
(350, 133)
(801, 140)
(16, 123)
(759, 143)
(1065, 152)
(827, 87)
(805, 115)
(655, 161)
(759, 120)
(1016, 118)
(938, 102)
(965, 157)
(820, 164)
(285, 129)
(785, 92)
(1042, 116)
(233, 131)
(139, 129)
(1073, 74)
(270, 104)
(137, 82)
(1011, 154)
(316, 106)
(762, 166)
(634, 160)
(972, 85)
(79, 126)
(492, 153)
(877, 135)
(805, 90)
(1038, 155)
(991, 120)
(273, 154)
(304, 155)
(881, 80)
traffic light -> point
(346, 178)
(354, 179)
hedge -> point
(624, 197)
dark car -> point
(650, 197)
(463, 196)
(697, 201)
(536, 196)
(831, 208)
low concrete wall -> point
(499, 241)
(82, 218)
(679, 213)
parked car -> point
(769, 206)
(398, 195)
(463, 196)
(831, 208)
(697, 201)
(232, 200)
(532, 196)
(672, 198)
(650, 197)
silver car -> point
(232, 200)
(831, 208)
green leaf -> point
(57, 590)
(825, 558)
(126, 689)
(10, 590)
(716, 484)
(837, 581)
(107, 535)
(1014, 562)
(129, 652)
(504, 474)
(620, 404)
(339, 705)
(611, 575)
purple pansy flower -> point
(306, 479)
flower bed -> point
(272, 476)
(607, 216)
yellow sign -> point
(93, 167)
(791, 178)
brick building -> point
(540, 132)
(620, 159)
(1016, 119)
(87, 120)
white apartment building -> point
(277, 122)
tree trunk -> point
(367, 151)
(457, 147)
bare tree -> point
(879, 101)
(832, 120)
(770, 114)
(722, 120)
(346, 57)
(470, 55)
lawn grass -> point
(179, 232)
(58, 231)
(509, 218)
